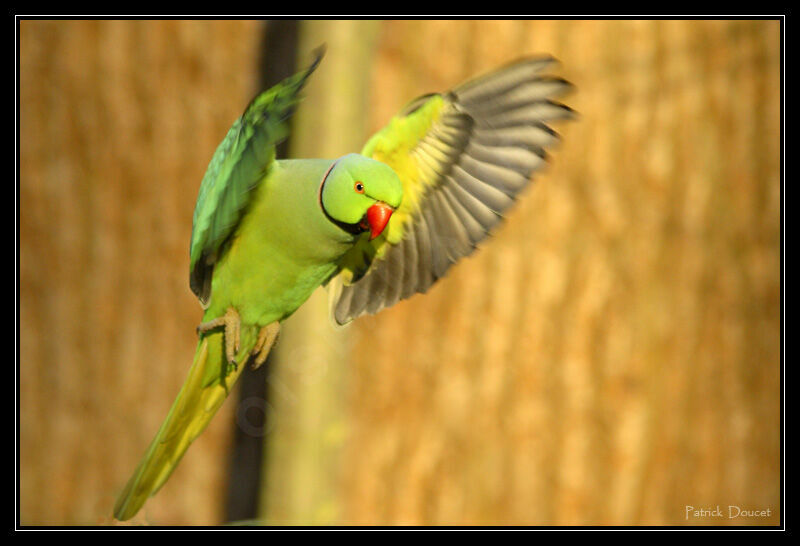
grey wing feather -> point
(492, 141)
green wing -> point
(241, 161)
(463, 156)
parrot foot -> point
(230, 321)
(266, 339)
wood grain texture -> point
(118, 120)
(609, 356)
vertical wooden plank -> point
(118, 120)
(594, 362)
(609, 356)
(309, 377)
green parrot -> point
(375, 227)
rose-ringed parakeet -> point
(375, 227)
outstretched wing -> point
(462, 156)
(241, 161)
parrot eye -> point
(359, 187)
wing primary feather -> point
(396, 263)
(539, 111)
(463, 157)
(491, 197)
(475, 231)
(522, 160)
(453, 235)
(484, 215)
(541, 89)
(379, 283)
(360, 296)
(535, 134)
(502, 177)
(342, 305)
(501, 80)
(437, 233)
(425, 273)
(426, 163)
(411, 261)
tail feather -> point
(190, 414)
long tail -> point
(202, 394)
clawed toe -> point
(266, 339)
(232, 324)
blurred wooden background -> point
(610, 356)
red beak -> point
(377, 217)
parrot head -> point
(360, 194)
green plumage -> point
(240, 162)
(376, 228)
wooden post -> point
(310, 373)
